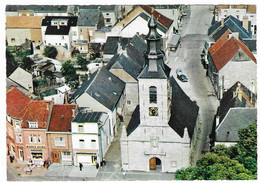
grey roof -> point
(38, 8)
(104, 87)
(87, 117)
(228, 101)
(63, 29)
(251, 44)
(147, 18)
(102, 7)
(184, 112)
(236, 119)
(88, 17)
(159, 74)
(234, 25)
(111, 44)
(216, 35)
(134, 121)
(168, 6)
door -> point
(56, 157)
(21, 154)
(153, 164)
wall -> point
(20, 36)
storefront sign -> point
(35, 146)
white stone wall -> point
(57, 40)
(131, 90)
(20, 35)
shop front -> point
(86, 158)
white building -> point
(90, 137)
(159, 134)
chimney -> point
(119, 48)
(239, 92)
(66, 97)
(222, 22)
(73, 112)
(217, 121)
(245, 22)
(80, 80)
(89, 74)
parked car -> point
(181, 76)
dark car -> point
(181, 76)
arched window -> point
(153, 94)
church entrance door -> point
(155, 163)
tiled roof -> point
(225, 49)
(38, 8)
(36, 110)
(161, 18)
(251, 9)
(23, 22)
(61, 118)
(16, 101)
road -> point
(187, 57)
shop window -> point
(94, 159)
(59, 141)
(36, 155)
(81, 144)
(66, 156)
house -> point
(230, 60)
(159, 134)
(127, 65)
(103, 92)
(26, 81)
(37, 10)
(21, 29)
(241, 12)
(59, 133)
(236, 111)
(236, 26)
(136, 21)
(16, 101)
(58, 31)
(91, 137)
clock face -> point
(153, 111)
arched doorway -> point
(155, 164)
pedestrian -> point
(97, 165)
(104, 162)
(123, 174)
(80, 166)
(11, 159)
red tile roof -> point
(61, 118)
(225, 49)
(35, 111)
(161, 18)
(16, 101)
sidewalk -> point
(18, 169)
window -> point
(81, 144)
(66, 156)
(36, 155)
(19, 138)
(39, 139)
(153, 94)
(33, 124)
(129, 102)
(93, 143)
(13, 40)
(80, 30)
(59, 43)
(59, 141)
(32, 139)
(80, 128)
(108, 20)
(62, 37)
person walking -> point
(97, 165)
(80, 166)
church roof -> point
(184, 112)
(134, 121)
(159, 74)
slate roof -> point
(159, 74)
(184, 112)
(38, 8)
(36, 110)
(234, 25)
(61, 118)
(225, 49)
(102, 7)
(236, 119)
(134, 121)
(228, 101)
(16, 101)
(111, 44)
(63, 30)
(88, 17)
(104, 87)
(87, 117)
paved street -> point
(187, 57)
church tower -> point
(154, 91)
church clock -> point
(153, 111)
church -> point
(160, 133)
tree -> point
(24, 53)
(71, 77)
(82, 62)
(50, 51)
(27, 63)
(214, 167)
(11, 63)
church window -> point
(153, 94)
(129, 102)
